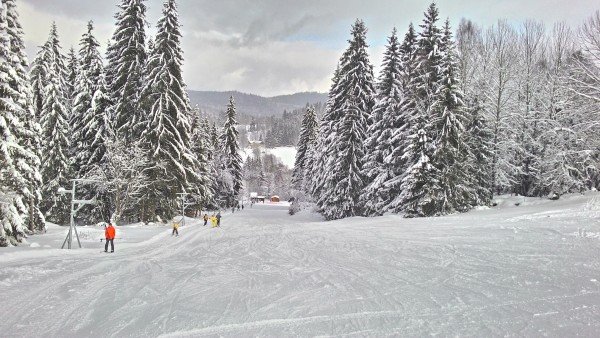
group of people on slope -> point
(215, 220)
(109, 231)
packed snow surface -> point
(527, 270)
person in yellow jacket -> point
(214, 221)
(175, 229)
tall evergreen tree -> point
(454, 192)
(400, 142)
(388, 125)
(308, 135)
(87, 83)
(97, 129)
(201, 149)
(167, 135)
(56, 170)
(126, 61)
(231, 150)
(72, 69)
(30, 133)
(355, 95)
(12, 154)
(323, 144)
(421, 184)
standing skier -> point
(175, 229)
(205, 218)
(218, 219)
(214, 221)
(109, 234)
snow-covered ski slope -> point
(518, 271)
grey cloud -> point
(278, 46)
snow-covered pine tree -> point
(56, 170)
(97, 129)
(355, 95)
(87, 83)
(231, 150)
(308, 135)
(167, 134)
(214, 164)
(389, 124)
(72, 65)
(323, 143)
(125, 68)
(38, 76)
(422, 182)
(40, 73)
(30, 133)
(400, 142)
(419, 185)
(12, 154)
(200, 148)
(455, 190)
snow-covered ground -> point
(287, 155)
(531, 270)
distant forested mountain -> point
(213, 102)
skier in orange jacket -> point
(109, 234)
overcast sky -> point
(272, 47)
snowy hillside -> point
(213, 102)
(531, 270)
(287, 155)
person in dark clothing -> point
(205, 219)
(109, 234)
(175, 229)
(219, 219)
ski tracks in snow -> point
(264, 273)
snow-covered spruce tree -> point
(126, 59)
(389, 123)
(95, 135)
(72, 69)
(398, 159)
(30, 133)
(56, 170)
(215, 166)
(231, 149)
(323, 143)
(201, 148)
(87, 83)
(167, 135)
(12, 154)
(97, 129)
(308, 135)
(344, 160)
(421, 184)
(455, 191)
